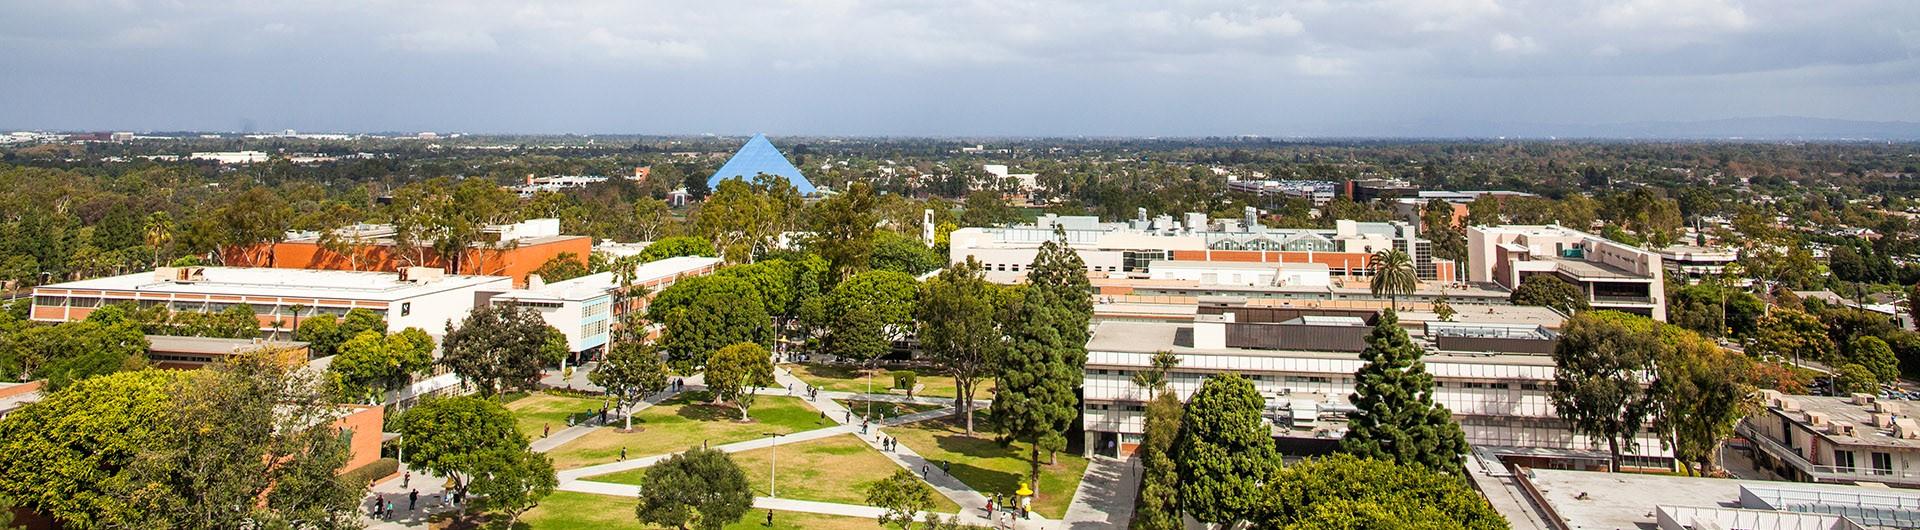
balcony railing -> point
(1821, 472)
(1623, 299)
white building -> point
(416, 297)
(584, 308)
(1696, 263)
(231, 157)
(1494, 376)
(1613, 275)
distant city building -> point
(417, 297)
(1494, 372)
(1613, 275)
(583, 308)
(1410, 208)
(1028, 181)
(1319, 191)
(231, 157)
(1369, 190)
(760, 157)
(512, 250)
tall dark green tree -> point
(1225, 452)
(1397, 418)
(1046, 354)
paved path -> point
(1106, 494)
(569, 434)
(749, 445)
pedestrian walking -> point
(413, 498)
(389, 509)
(945, 468)
(406, 479)
(769, 517)
(923, 471)
(546, 429)
(623, 453)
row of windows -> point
(89, 302)
(594, 309)
(593, 328)
(1312, 379)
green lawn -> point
(885, 409)
(566, 510)
(538, 411)
(686, 421)
(846, 378)
(834, 469)
(990, 468)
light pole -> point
(773, 465)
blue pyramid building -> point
(758, 157)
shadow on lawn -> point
(709, 412)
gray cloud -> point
(948, 67)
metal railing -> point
(1822, 472)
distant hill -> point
(1775, 128)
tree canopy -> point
(1397, 418)
(498, 348)
(1225, 452)
(1348, 493)
(1548, 291)
(699, 488)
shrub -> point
(373, 471)
(905, 379)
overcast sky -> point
(948, 67)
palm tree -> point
(1393, 275)
(1154, 379)
(159, 234)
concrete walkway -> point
(1106, 494)
(749, 445)
(570, 434)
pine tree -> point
(1225, 452)
(1046, 352)
(1397, 418)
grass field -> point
(566, 510)
(844, 378)
(686, 421)
(885, 409)
(835, 469)
(537, 411)
(990, 468)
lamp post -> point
(773, 465)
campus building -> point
(511, 250)
(760, 157)
(417, 297)
(1694, 263)
(585, 309)
(188, 353)
(1835, 439)
(1613, 275)
(1571, 500)
(1494, 372)
(1131, 248)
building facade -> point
(1494, 376)
(513, 250)
(1852, 439)
(422, 298)
(1613, 275)
(588, 309)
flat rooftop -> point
(1147, 337)
(596, 285)
(213, 346)
(1837, 408)
(292, 283)
(1597, 500)
(1580, 268)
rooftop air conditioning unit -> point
(1862, 398)
(1883, 420)
(1906, 428)
(1789, 404)
(1889, 407)
(421, 274)
(1840, 428)
(1817, 419)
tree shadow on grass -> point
(709, 412)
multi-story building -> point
(585, 308)
(1133, 246)
(1613, 275)
(1835, 439)
(422, 298)
(1695, 263)
(512, 250)
(1494, 375)
(167, 351)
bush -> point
(905, 379)
(373, 471)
